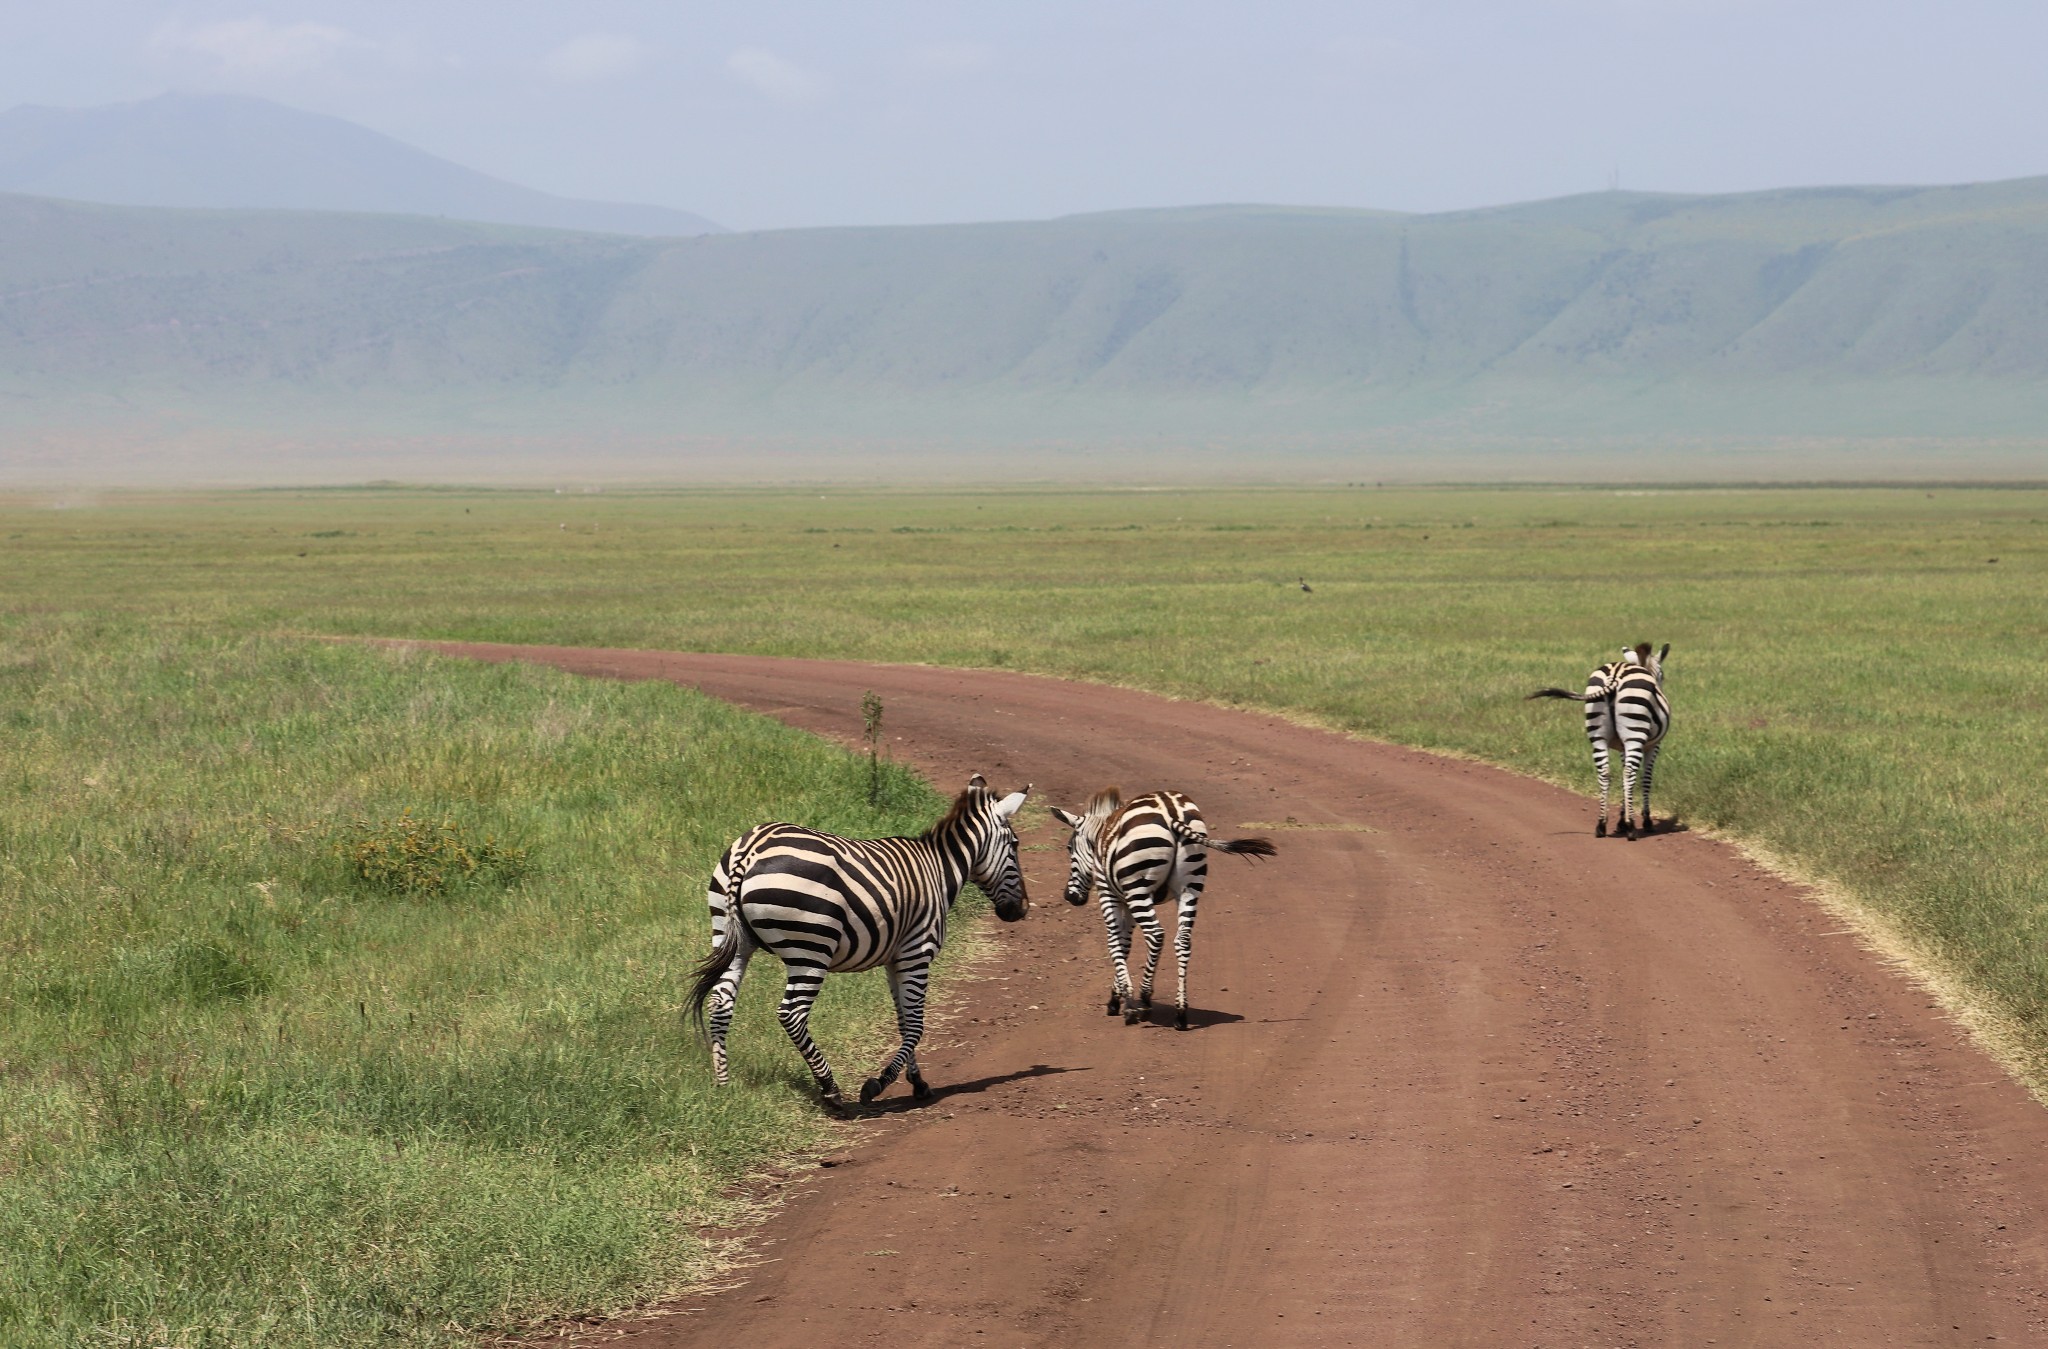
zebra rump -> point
(707, 974)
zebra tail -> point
(714, 967)
(1560, 693)
(1241, 847)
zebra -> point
(1141, 853)
(1625, 709)
(823, 903)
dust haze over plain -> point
(1373, 323)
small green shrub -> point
(408, 856)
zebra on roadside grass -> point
(824, 904)
(1141, 854)
(1625, 709)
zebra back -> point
(1624, 698)
(823, 901)
(1125, 845)
(1641, 712)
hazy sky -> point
(811, 112)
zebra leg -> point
(1649, 772)
(1600, 771)
(1183, 948)
(906, 990)
(1631, 775)
(1147, 919)
(918, 1086)
(724, 998)
(798, 993)
(1116, 923)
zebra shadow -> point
(1199, 1018)
(896, 1105)
(1658, 828)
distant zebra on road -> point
(1625, 709)
(823, 903)
(1141, 854)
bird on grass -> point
(1306, 588)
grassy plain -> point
(1859, 685)
(251, 1098)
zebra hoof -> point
(872, 1088)
(1133, 1015)
(1114, 1008)
(920, 1089)
(833, 1101)
(1145, 1000)
(1600, 830)
(1180, 1018)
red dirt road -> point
(1471, 1078)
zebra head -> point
(992, 862)
(1082, 864)
(1639, 654)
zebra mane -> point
(963, 806)
(1105, 803)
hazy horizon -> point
(777, 115)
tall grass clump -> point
(412, 857)
(340, 990)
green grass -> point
(1857, 686)
(254, 1097)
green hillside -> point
(1799, 317)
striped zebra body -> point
(1626, 710)
(1137, 856)
(824, 904)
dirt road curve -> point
(1472, 1078)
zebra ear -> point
(1665, 652)
(1011, 804)
(1069, 820)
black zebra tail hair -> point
(714, 967)
(1238, 847)
(1559, 693)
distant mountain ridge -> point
(225, 151)
(1646, 322)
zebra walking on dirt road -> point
(1140, 854)
(1625, 709)
(823, 903)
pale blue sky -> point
(804, 112)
